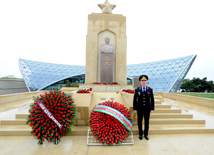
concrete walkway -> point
(170, 144)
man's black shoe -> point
(146, 137)
(140, 137)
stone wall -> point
(11, 86)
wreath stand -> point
(92, 141)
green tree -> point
(197, 85)
(186, 85)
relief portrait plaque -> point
(107, 62)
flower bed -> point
(82, 91)
(128, 91)
(51, 116)
(110, 122)
(113, 83)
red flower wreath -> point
(82, 91)
(61, 106)
(107, 129)
(129, 91)
(111, 83)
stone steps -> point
(171, 116)
(164, 120)
(82, 130)
(154, 115)
(152, 121)
(167, 111)
(157, 102)
(162, 106)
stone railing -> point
(190, 99)
(19, 96)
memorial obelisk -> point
(106, 45)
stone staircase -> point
(164, 120)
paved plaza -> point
(164, 144)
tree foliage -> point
(9, 76)
(197, 85)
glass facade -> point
(41, 75)
(164, 76)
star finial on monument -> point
(107, 7)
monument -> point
(106, 45)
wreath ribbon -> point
(114, 113)
(48, 113)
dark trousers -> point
(140, 116)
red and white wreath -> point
(52, 116)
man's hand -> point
(152, 111)
(135, 111)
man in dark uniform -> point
(143, 105)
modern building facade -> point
(164, 76)
(48, 76)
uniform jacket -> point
(143, 101)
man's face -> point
(107, 39)
(143, 83)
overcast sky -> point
(55, 31)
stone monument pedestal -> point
(105, 88)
